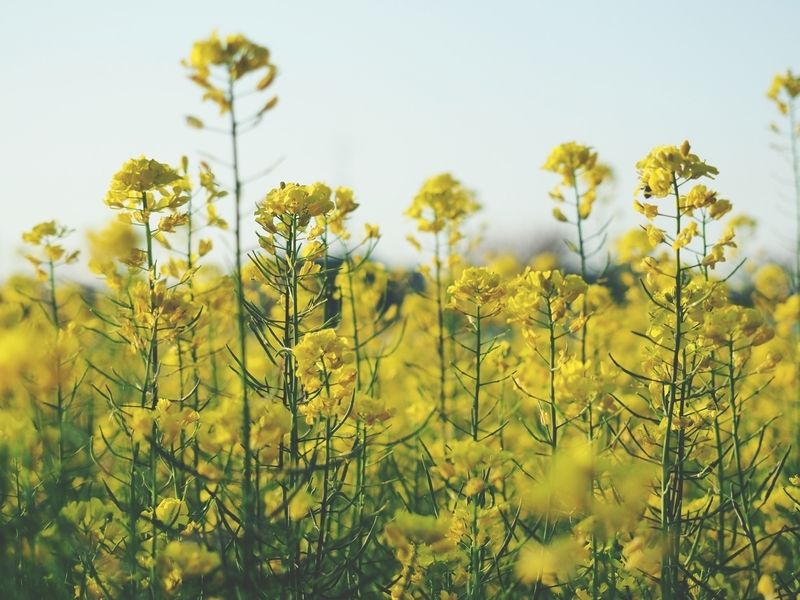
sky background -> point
(381, 95)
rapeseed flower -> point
(441, 200)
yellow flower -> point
(441, 200)
(132, 188)
(572, 161)
(46, 235)
(559, 215)
(655, 235)
(171, 421)
(699, 197)
(372, 410)
(205, 247)
(474, 485)
(567, 158)
(766, 588)
(142, 175)
(479, 286)
(205, 53)
(772, 282)
(648, 210)
(633, 246)
(716, 255)
(239, 56)
(299, 505)
(371, 232)
(787, 83)
(302, 201)
(762, 335)
(172, 512)
(719, 325)
(407, 529)
(639, 557)
(719, 208)
(190, 559)
(344, 206)
(685, 236)
(42, 230)
(770, 362)
(551, 564)
(660, 169)
(322, 357)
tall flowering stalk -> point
(235, 58)
(151, 316)
(54, 389)
(577, 164)
(48, 237)
(477, 295)
(440, 207)
(316, 379)
(661, 174)
(540, 302)
(691, 324)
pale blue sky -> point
(381, 95)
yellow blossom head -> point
(133, 186)
(441, 200)
(477, 285)
(292, 200)
(238, 56)
(667, 165)
(785, 88)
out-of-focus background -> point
(379, 96)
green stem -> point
(153, 503)
(291, 336)
(248, 518)
(720, 545)
(59, 391)
(153, 368)
(670, 503)
(476, 395)
(744, 495)
(153, 362)
(552, 377)
(133, 517)
(197, 483)
(440, 343)
(476, 558)
(584, 333)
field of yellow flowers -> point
(315, 425)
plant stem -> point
(440, 343)
(670, 498)
(248, 518)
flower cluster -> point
(573, 162)
(239, 56)
(478, 286)
(667, 166)
(784, 84)
(47, 236)
(132, 188)
(292, 201)
(325, 369)
(533, 292)
(441, 200)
